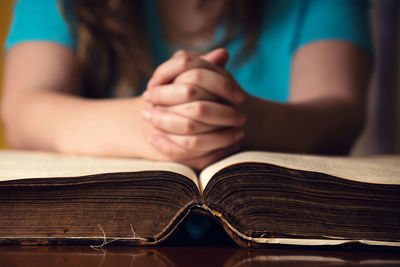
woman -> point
(296, 80)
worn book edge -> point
(137, 240)
(296, 241)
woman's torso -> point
(286, 25)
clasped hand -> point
(194, 108)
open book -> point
(259, 198)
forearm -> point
(59, 122)
(319, 126)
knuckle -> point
(189, 126)
(226, 85)
(155, 120)
(181, 53)
(192, 143)
(158, 122)
(169, 151)
(165, 149)
(183, 62)
(189, 92)
(177, 53)
(194, 76)
(199, 109)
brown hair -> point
(112, 40)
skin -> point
(189, 22)
(183, 116)
(317, 119)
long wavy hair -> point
(113, 46)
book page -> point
(379, 169)
(23, 165)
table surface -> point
(75, 256)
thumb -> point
(217, 56)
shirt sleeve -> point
(346, 20)
(39, 20)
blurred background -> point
(382, 130)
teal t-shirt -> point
(286, 26)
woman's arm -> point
(326, 109)
(41, 110)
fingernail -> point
(154, 141)
(241, 119)
(146, 114)
(238, 96)
(238, 136)
(146, 95)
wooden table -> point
(75, 256)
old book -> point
(259, 198)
